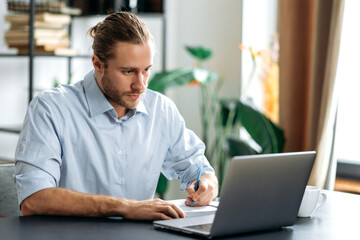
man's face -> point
(125, 78)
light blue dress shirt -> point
(71, 138)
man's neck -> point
(120, 111)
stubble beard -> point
(118, 97)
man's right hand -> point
(154, 209)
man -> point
(96, 148)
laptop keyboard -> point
(201, 227)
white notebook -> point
(196, 211)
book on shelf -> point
(51, 35)
(38, 42)
(45, 47)
(47, 6)
(38, 33)
(37, 25)
(44, 17)
(43, 51)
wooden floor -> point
(347, 185)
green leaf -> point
(180, 77)
(69, 79)
(234, 146)
(164, 80)
(162, 186)
(199, 52)
(227, 105)
(56, 83)
(265, 133)
(212, 77)
(262, 130)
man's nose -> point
(139, 81)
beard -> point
(119, 97)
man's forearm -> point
(60, 201)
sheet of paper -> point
(196, 211)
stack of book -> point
(52, 6)
(51, 35)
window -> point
(347, 134)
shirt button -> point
(120, 152)
(118, 182)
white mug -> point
(312, 200)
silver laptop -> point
(260, 192)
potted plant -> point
(226, 115)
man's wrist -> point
(117, 207)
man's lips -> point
(134, 96)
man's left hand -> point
(207, 191)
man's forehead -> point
(131, 55)
(122, 44)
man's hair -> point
(119, 26)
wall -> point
(216, 25)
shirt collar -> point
(141, 106)
(97, 101)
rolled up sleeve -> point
(30, 179)
(38, 152)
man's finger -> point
(205, 198)
(190, 190)
(172, 211)
(161, 216)
(169, 211)
(188, 201)
(203, 186)
(178, 210)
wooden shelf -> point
(44, 55)
(12, 129)
(6, 162)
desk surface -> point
(338, 218)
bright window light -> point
(348, 80)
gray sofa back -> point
(8, 196)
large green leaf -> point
(162, 186)
(179, 77)
(264, 132)
(199, 52)
(164, 80)
(234, 146)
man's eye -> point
(128, 72)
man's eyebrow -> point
(127, 68)
(132, 68)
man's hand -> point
(154, 209)
(207, 191)
(64, 202)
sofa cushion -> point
(8, 196)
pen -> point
(197, 182)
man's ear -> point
(98, 65)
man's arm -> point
(207, 191)
(60, 201)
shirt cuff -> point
(206, 170)
(32, 182)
